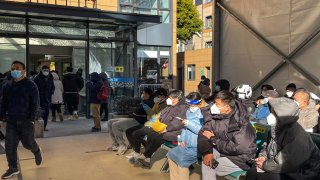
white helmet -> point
(244, 91)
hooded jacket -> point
(45, 87)
(57, 97)
(72, 82)
(234, 135)
(308, 117)
(94, 87)
(291, 150)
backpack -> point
(104, 92)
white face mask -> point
(193, 109)
(46, 73)
(214, 109)
(242, 96)
(217, 88)
(272, 120)
(297, 103)
(156, 100)
(169, 102)
(289, 93)
(265, 101)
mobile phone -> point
(179, 118)
(215, 164)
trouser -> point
(177, 172)
(119, 127)
(252, 174)
(224, 168)
(45, 115)
(19, 131)
(129, 134)
(54, 108)
(137, 138)
(72, 101)
(95, 109)
(154, 141)
(104, 108)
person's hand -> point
(184, 122)
(183, 144)
(260, 161)
(208, 134)
(207, 159)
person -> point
(104, 104)
(57, 98)
(172, 128)
(94, 86)
(204, 88)
(290, 90)
(308, 115)
(185, 154)
(20, 107)
(244, 94)
(72, 84)
(44, 81)
(266, 87)
(227, 137)
(291, 153)
(33, 74)
(119, 125)
(152, 113)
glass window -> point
(11, 49)
(198, 2)
(208, 22)
(208, 44)
(191, 72)
(147, 65)
(125, 1)
(126, 9)
(165, 16)
(207, 1)
(146, 3)
(165, 4)
(12, 24)
(145, 11)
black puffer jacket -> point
(46, 88)
(72, 82)
(139, 114)
(174, 125)
(234, 135)
(291, 150)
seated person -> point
(117, 126)
(185, 154)
(227, 140)
(291, 153)
(176, 108)
(308, 115)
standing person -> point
(72, 84)
(227, 137)
(20, 102)
(94, 86)
(104, 104)
(204, 88)
(244, 93)
(44, 81)
(185, 154)
(57, 98)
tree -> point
(188, 21)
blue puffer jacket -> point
(190, 133)
(262, 112)
(94, 87)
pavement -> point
(72, 152)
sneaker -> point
(122, 149)
(114, 147)
(38, 157)
(71, 118)
(133, 154)
(9, 173)
(144, 163)
(94, 129)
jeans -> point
(22, 130)
(72, 101)
(54, 108)
(130, 137)
(137, 138)
(45, 115)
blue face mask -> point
(16, 74)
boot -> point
(53, 119)
(61, 117)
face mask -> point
(272, 120)
(169, 102)
(265, 101)
(193, 109)
(242, 96)
(156, 100)
(214, 109)
(217, 88)
(289, 93)
(297, 103)
(16, 74)
(46, 73)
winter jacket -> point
(308, 117)
(261, 112)
(174, 125)
(234, 135)
(291, 150)
(249, 104)
(57, 97)
(189, 133)
(139, 114)
(154, 112)
(45, 87)
(20, 100)
(72, 83)
(94, 87)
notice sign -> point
(118, 68)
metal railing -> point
(153, 87)
(74, 3)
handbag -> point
(158, 126)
